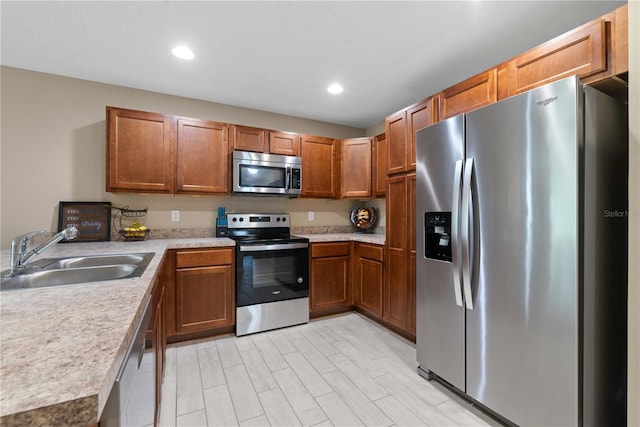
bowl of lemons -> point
(135, 232)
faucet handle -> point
(23, 238)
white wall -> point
(633, 401)
(53, 149)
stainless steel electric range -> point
(272, 273)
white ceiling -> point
(281, 56)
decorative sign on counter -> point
(92, 219)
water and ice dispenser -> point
(437, 239)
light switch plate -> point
(311, 216)
(175, 216)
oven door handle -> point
(274, 247)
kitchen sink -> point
(94, 261)
(82, 269)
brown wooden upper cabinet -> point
(249, 139)
(284, 143)
(202, 164)
(320, 167)
(380, 167)
(582, 51)
(265, 141)
(475, 92)
(356, 168)
(156, 153)
(594, 51)
(139, 151)
(400, 130)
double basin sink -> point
(65, 271)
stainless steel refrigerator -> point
(522, 256)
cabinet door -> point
(203, 157)
(418, 117)
(396, 131)
(400, 129)
(582, 51)
(396, 286)
(411, 267)
(476, 92)
(356, 168)
(159, 339)
(284, 143)
(368, 278)
(330, 276)
(249, 139)
(205, 298)
(139, 152)
(330, 283)
(380, 165)
(320, 167)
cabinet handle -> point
(255, 248)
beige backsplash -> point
(197, 214)
(186, 233)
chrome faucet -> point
(19, 255)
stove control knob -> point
(300, 280)
(284, 219)
(278, 219)
(234, 219)
(241, 219)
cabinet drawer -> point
(320, 250)
(205, 257)
(373, 252)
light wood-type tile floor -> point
(339, 371)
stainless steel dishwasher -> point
(131, 401)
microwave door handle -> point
(287, 183)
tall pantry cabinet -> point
(400, 247)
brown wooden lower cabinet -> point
(159, 337)
(202, 294)
(400, 280)
(384, 283)
(330, 276)
(411, 300)
(368, 278)
(396, 288)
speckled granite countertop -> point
(378, 239)
(61, 347)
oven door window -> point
(262, 176)
(267, 276)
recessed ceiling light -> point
(335, 89)
(182, 52)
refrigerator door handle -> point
(465, 232)
(455, 210)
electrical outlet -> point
(175, 216)
(311, 216)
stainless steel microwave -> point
(266, 174)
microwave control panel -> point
(296, 179)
